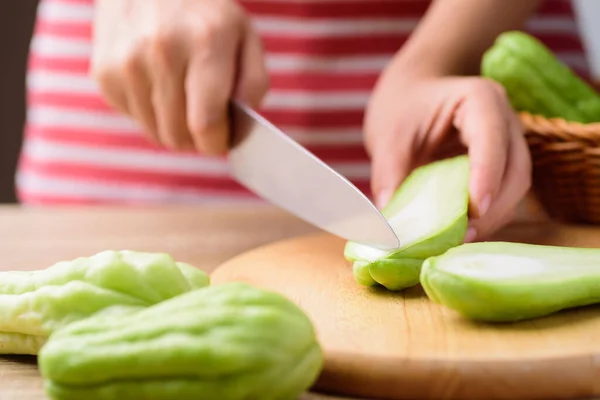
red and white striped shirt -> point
(324, 57)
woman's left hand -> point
(413, 121)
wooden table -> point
(205, 236)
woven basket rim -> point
(559, 127)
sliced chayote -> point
(499, 281)
(224, 342)
(33, 304)
(429, 213)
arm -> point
(451, 38)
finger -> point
(253, 79)
(138, 88)
(167, 68)
(111, 86)
(515, 186)
(391, 164)
(209, 86)
(484, 129)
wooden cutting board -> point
(386, 345)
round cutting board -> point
(386, 345)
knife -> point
(278, 169)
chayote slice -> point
(227, 342)
(33, 304)
(508, 282)
(429, 213)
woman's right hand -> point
(175, 65)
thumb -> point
(389, 169)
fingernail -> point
(470, 235)
(383, 198)
(484, 206)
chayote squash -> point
(429, 213)
(536, 81)
(227, 342)
(508, 282)
(33, 304)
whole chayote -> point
(223, 342)
(34, 304)
(537, 81)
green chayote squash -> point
(34, 304)
(429, 213)
(223, 342)
(536, 81)
(509, 282)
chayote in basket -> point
(34, 304)
(223, 342)
(538, 82)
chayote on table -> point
(34, 304)
(224, 342)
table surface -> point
(204, 236)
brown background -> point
(16, 24)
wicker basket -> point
(566, 167)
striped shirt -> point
(323, 56)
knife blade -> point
(278, 169)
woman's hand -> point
(174, 66)
(412, 122)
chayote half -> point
(224, 342)
(429, 213)
(508, 282)
(33, 304)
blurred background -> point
(16, 24)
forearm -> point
(454, 34)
